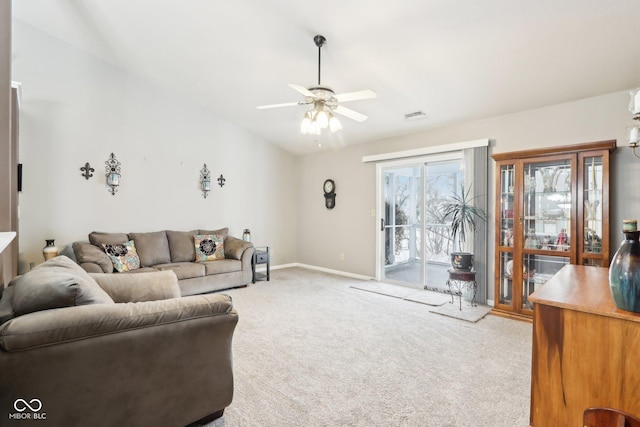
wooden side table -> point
(459, 281)
(260, 256)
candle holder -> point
(205, 181)
(113, 174)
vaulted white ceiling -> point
(455, 60)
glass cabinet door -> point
(592, 210)
(547, 230)
(536, 271)
(547, 206)
(507, 208)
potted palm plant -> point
(463, 217)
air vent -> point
(416, 115)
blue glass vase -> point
(624, 273)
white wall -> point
(78, 109)
(351, 229)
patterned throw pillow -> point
(123, 256)
(209, 247)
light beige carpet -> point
(311, 351)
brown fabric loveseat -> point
(175, 251)
(98, 350)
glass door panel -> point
(442, 180)
(507, 208)
(536, 271)
(402, 217)
(506, 278)
(547, 206)
(592, 210)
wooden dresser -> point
(586, 351)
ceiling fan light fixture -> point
(314, 128)
(322, 118)
(305, 126)
(334, 124)
(324, 102)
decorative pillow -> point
(123, 256)
(209, 247)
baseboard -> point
(324, 270)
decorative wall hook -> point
(87, 171)
(205, 181)
(221, 180)
(113, 174)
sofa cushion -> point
(224, 232)
(181, 245)
(153, 248)
(209, 247)
(58, 282)
(222, 266)
(149, 286)
(86, 253)
(184, 270)
(123, 256)
(99, 238)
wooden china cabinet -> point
(552, 209)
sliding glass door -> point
(402, 224)
(416, 239)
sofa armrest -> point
(58, 326)
(139, 287)
(92, 258)
(234, 247)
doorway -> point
(416, 241)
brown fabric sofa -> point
(175, 251)
(112, 350)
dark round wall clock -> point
(329, 188)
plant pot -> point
(462, 261)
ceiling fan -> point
(324, 102)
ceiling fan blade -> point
(356, 96)
(303, 90)
(286, 104)
(347, 112)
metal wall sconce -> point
(221, 180)
(113, 174)
(87, 171)
(634, 131)
(205, 181)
